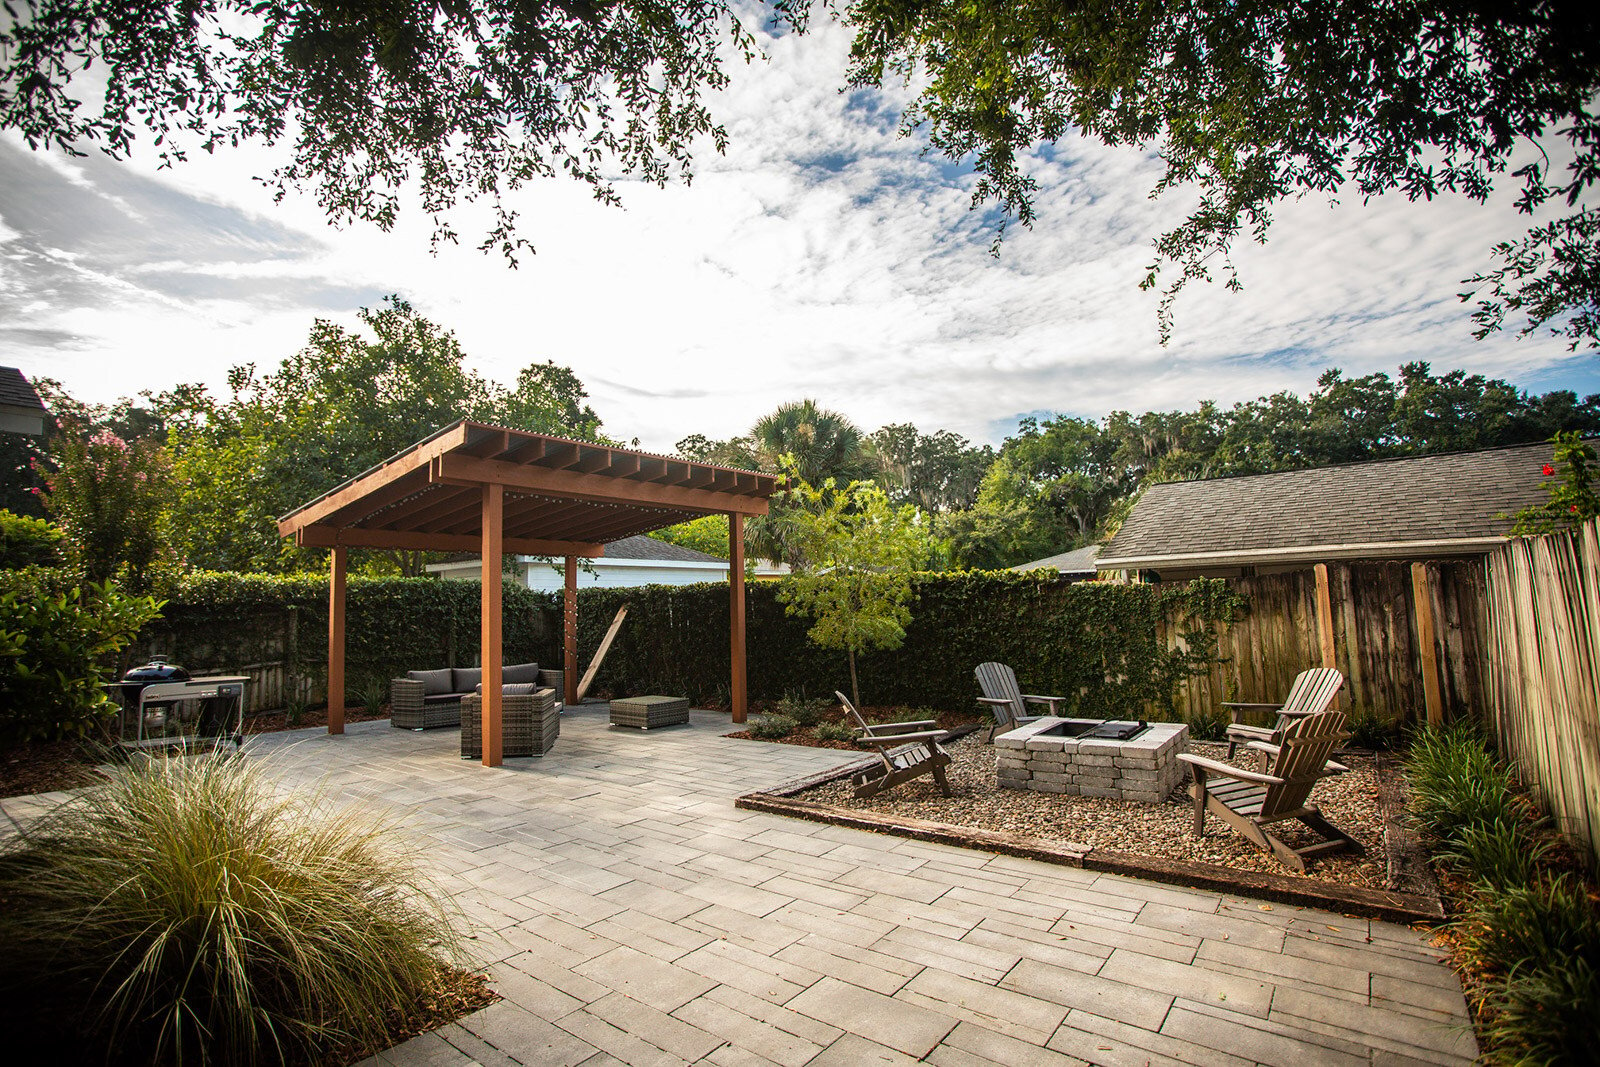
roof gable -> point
(1374, 508)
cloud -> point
(824, 255)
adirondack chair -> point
(1312, 692)
(1250, 801)
(901, 757)
(1006, 701)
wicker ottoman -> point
(530, 724)
(648, 712)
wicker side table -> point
(529, 724)
(648, 712)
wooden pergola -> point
(477, 488)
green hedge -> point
(1097, 643)
(1102, 645)
(225, 621)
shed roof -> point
(1447, 504)
(1078, 561)
(562, 497)
(17, 391)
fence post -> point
(1422, 606)
(1325, 616)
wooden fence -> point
(1374, 634)
(1544, 677)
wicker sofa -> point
(423, 700)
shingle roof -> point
(643, 546)
(17, 391)
(1078, 561)
(1394, 508)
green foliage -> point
(708, 534)
(1574, 497)
(1503, 854)
(833, 731)
(216, 619)
(28, 542)
(212, 918)
(938, 472)
(1371, 729)
(1250, 103)
(339, 406)
(1094, 642)
(864, 551)
(1535, 924)
(109, 497)
(1457, 784)
(55, 651)
(1209, 726)
(374, 693)
(376, 102)
(805, 711)
(772, 726)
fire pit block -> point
(1049, 756)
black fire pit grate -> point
(1116, 731)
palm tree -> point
(824, 444)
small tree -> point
(1574, 498)
(857, 584)
(109, 498)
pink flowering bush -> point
(109, 500)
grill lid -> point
(157, 670)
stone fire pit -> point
(1049, 756)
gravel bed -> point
(1350, 801)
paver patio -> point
(629, 913)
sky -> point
(822, 256)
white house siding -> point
(605, 573)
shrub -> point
(1545, 1014)
(28, 542)
(1212, 726)
(1503, 854)
(1370, 729)
(772, 726)
(1457, 783)
(374, 694)
(804, 711)
(832, 731)
(53, 647)
(210, 920)
(1539, 925)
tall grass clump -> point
(207, 918)
(1457, 783)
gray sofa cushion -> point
(517, 673)
(434, 682)
(466, 679)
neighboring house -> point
(1075, 566)
(638, 560)
(1416, 507)
(21, 410)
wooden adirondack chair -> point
(1250, 801)
(1006, 701)
(902, 756)
(1313, 691)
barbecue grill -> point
(163, 705)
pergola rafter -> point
(472, 487)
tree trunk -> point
(855, 689)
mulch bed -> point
(807, 735)
(46, 768)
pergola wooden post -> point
(494, 500)
(738, 696)
(477, 488)
(336, 567)
(569, 630)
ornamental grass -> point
(191, 912)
